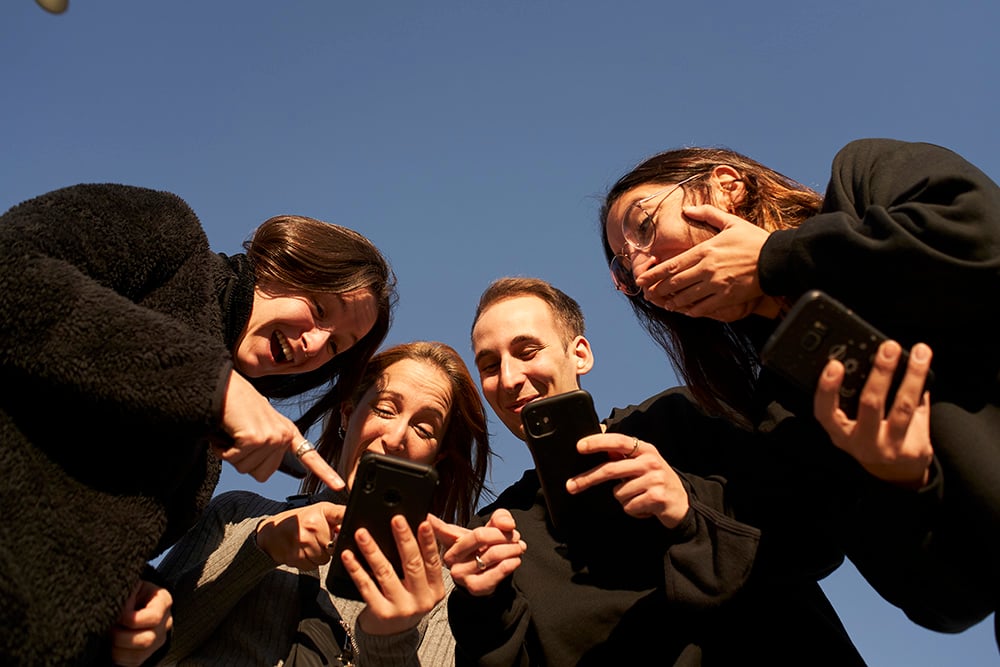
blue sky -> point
(471, 140)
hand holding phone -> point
(819, 328)
(384, 486)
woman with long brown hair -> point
(711, 248)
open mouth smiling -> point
(281, 350)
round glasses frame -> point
(640, 233)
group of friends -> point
(134, 360)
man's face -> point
(521, 355)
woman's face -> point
(297, 333)
(405, 414)
(674, 233)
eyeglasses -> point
(639, 232)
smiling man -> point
(528, 341)
(666, 573)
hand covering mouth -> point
(281, 350)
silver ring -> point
(635, 448)
(479, 563)
(304, 446)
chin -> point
(252, 368)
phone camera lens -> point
(393, 497)
(810, 341)
(369, 481)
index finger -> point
(446, 533)
(314, 462)
(709, 216)
(611, 443)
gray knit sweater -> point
(234, 606)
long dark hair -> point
(312, 256)
(463, 457)
(717, 360)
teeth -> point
(286, 349)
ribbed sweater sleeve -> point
(214, 566)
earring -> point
(341, 433)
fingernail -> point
(890, 350)
(921, 352)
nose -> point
(394, 438)
(639, 260)
(511, 375)
(315, 342)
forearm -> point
(489, 630)
(916, 203)
(214, 567)
(712, 554)
(107, 296)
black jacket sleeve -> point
(107, 299)
(900, 222)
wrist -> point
(373, 625)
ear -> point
(346, 411)
(580, 349)
(727, 186)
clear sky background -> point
(471, 140)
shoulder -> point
(895, 153)
(94, 199)
(117, 215)
(673, 403)
(680, 429)
(236, 506)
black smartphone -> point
(384, 486)
(819, 328)
(552, 427)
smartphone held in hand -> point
(384, 486)
(817, 329)
(552, 427)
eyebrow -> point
(516, 340)
(388, 393)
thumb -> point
(502, 520)
(333, 513)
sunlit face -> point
(521, 355)
(296, 332)
(405, 414)
(663, 205)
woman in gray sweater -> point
(249, 582)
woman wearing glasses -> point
(712, 247)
